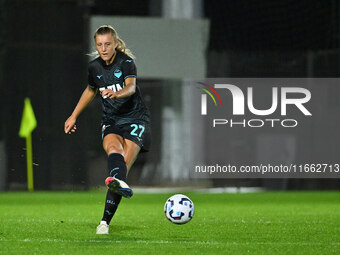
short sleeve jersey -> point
(102, 76)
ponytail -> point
(122, 47)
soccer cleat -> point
(118, 186)
(103, 228)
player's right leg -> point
(113, 146)
(116, 184)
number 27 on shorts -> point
(137, 130)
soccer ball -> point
(179, 209)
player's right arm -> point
(87, 96)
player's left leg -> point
(131, 151)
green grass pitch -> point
(253, 223)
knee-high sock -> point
(117, 169)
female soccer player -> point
(125, 125)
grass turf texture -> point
(257, 223)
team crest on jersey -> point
(118, 73)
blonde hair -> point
(107, 29)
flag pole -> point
(29, 156)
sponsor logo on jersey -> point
(114, 87)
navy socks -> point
(117, 169)
(117, 166)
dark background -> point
(43, 46)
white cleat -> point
(103, 228)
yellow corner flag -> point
(28, 124)
(28, 121)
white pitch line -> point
(169, 242)
(112, 241)
(160, 190)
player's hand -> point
(70, 125)
(108, 93)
